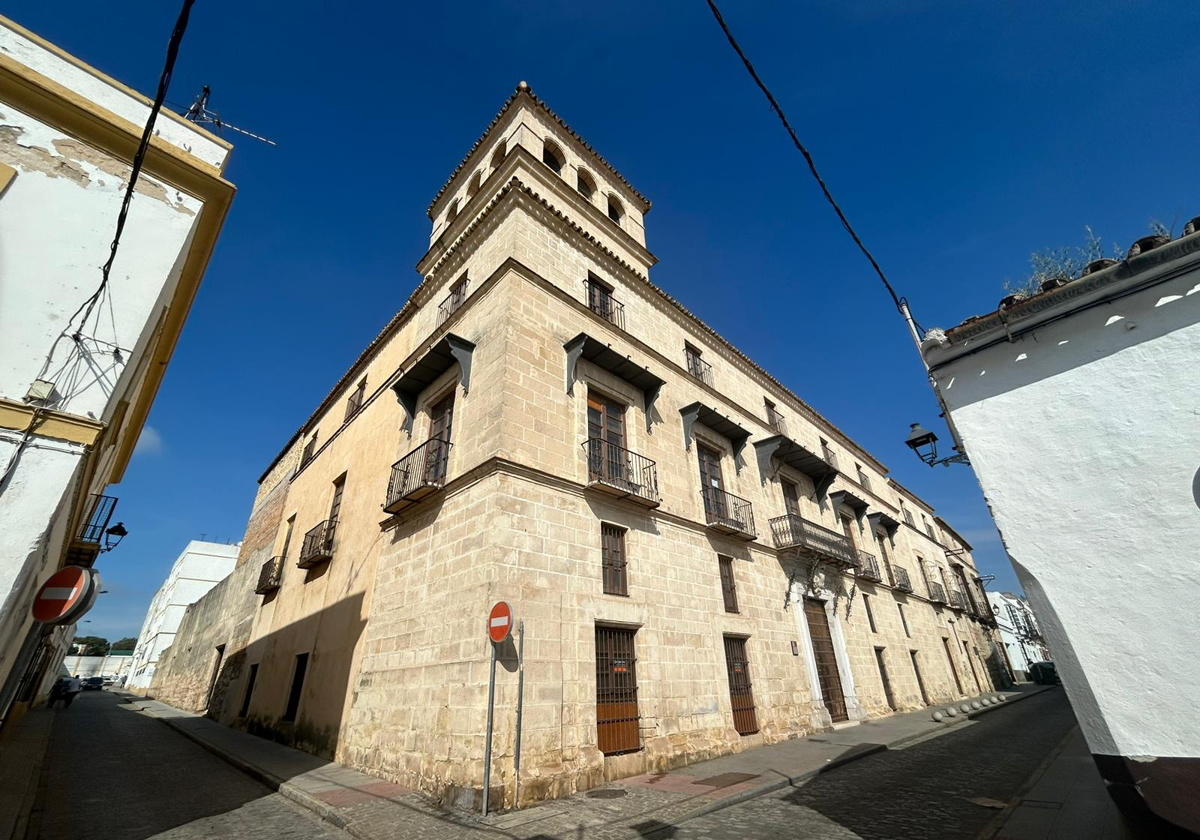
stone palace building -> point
(702, 562)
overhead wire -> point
(812, 166)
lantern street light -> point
(114, 535)
(924, 442)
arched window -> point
(452, 213)
(552, 157)
(615, 211)
(473, 187)
(585, 185)
(498, 157)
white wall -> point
(1083, 433)
(200, 567)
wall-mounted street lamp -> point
(924, 442)
(114, 535)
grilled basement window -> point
(309, 449)
(293, 703)
(354, 403)
(870, 615)
(616, 692)
(728, 586)
(612, 554)
(741, 694)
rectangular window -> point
(309, 450)
(696, 366)
(249, 690)
(216, 672)
(616, 692)
(293, 703)
(903, 620)
(728, 587)
(287, 536)
(601, 301)
(863, 478)
(612, 558)
(608, 459)
(848, 530)
(335, 506)
(453, 301)
(883, 676)
(774, 419)
(882, 541)
(741, 694)
(920, 682)
(711, 485)
(791, 497)
(441, 428)
(829, 454)
(908, 517)
(953, 668)
(354, 403)
(870, 615)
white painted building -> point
(115, 665)
(1019, 632)
(1080, 411)
(200, 567)
(75, 390)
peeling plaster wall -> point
(1083, 436)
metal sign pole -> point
(520, 704)
(487, 750)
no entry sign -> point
(68, 594)
(499, 622)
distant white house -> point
(1023, 642)
(200, 567)
(114, 664)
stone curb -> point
(871, 749)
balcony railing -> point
(792, 531)
(700, 369)
(937, 593)
(868, 566)
(728, 513)
(777, 423)
(318, 545)
(453, 302)
(957, 601)
(620, 472)
(417, 475)
(601, 301)
(270, 576)
(900, 579)
(96, 517)
(830, 456)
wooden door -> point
(711, 484)
(848, 530)
(616, 692)
(825, 659)
(441, 427)
(608, 459)
(791, 498)
(741, 694)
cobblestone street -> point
(924, 791)
(113, 773)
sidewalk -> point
(1066, 800)
(638, 807)
(21, 755)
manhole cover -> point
(611, 793)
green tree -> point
(91, 646)
(124, 644)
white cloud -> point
(150, 442)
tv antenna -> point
(200, 114)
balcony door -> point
(441, 426)
(711, 484)
(608, 459)
(825, 659)
(848, 530)
(791, 498)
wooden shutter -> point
(616, 692)
(741, 695)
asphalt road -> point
(114, 773)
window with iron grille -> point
(354, 403)
(728, 586)
(616, 692)
(612, 555)
(309, 449)
(741, 694)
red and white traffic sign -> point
(499, 622)
(68, 594)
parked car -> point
(1043, 673)
(108, 681)
(93, 684)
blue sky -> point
(957, 137)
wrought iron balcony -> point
(868, 566)
(900, 579)
(777, 423)
(318, 545)
(270, 576)
(617, 471)
(453, 301)
(957, 601)
(418, 474)
(601, 301)
(700, 369)
(937, 593)
(792, 531)
(87, 542)
(728, 513)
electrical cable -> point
(896, 299)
